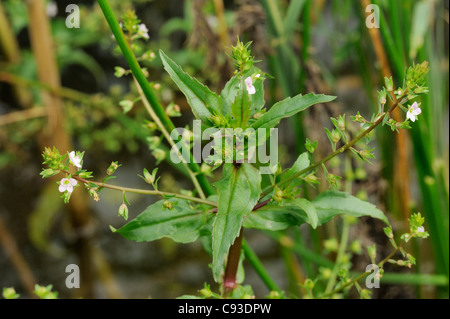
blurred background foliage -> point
(307, 46)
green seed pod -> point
(278, 195)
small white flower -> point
(420, 229)
(413, 112)
(250, 88)
(67, 184)
(75, 159)
(143, 31)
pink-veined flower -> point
(413, 112)
(67, 184)
(250, 88)
(75, 159)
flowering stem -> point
(145, 192)
(364, 274)
(340, 150)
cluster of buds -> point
(241, 54)
(415, 80)
(132, 25)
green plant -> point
(244, 198)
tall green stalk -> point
(145, 86)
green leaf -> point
(327, 205)
(203, 102)
(275, 217)
(241, 107)
(289, 107)
(308, 208)
(239, 191)
(300, 164)
(332, 203)
(181, 223)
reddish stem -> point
(234, 254)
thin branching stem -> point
(145, 191)
(339, 150)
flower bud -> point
(151, 126)
(168, 204)
(278, 195)
(382, 97)
(325, 272)
(205, 169)
(123, 211)
(309, 284)
(257, 115)
(206, 292)
(10, 293)
(335, 136)
(112, 168)
(331, 244)
(388, 232)
(159, 154)
(341, 123)
(311, 179)
(119, 72)
(149, 178)
(126, 105)
(389, 84)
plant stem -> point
(234, 254)
(145, 192)
(340, 254)
(380, 265)
(258, 266)
(345, 231)
(338, 151)
(145, 86)
(166, 134)
(140, 78)
(22, 115)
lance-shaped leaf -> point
(203, 101)
(239, 190)
(275, 217)
(327, 205)
(181, 223)
(332, 203)
(289, 107)
(241, 107)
